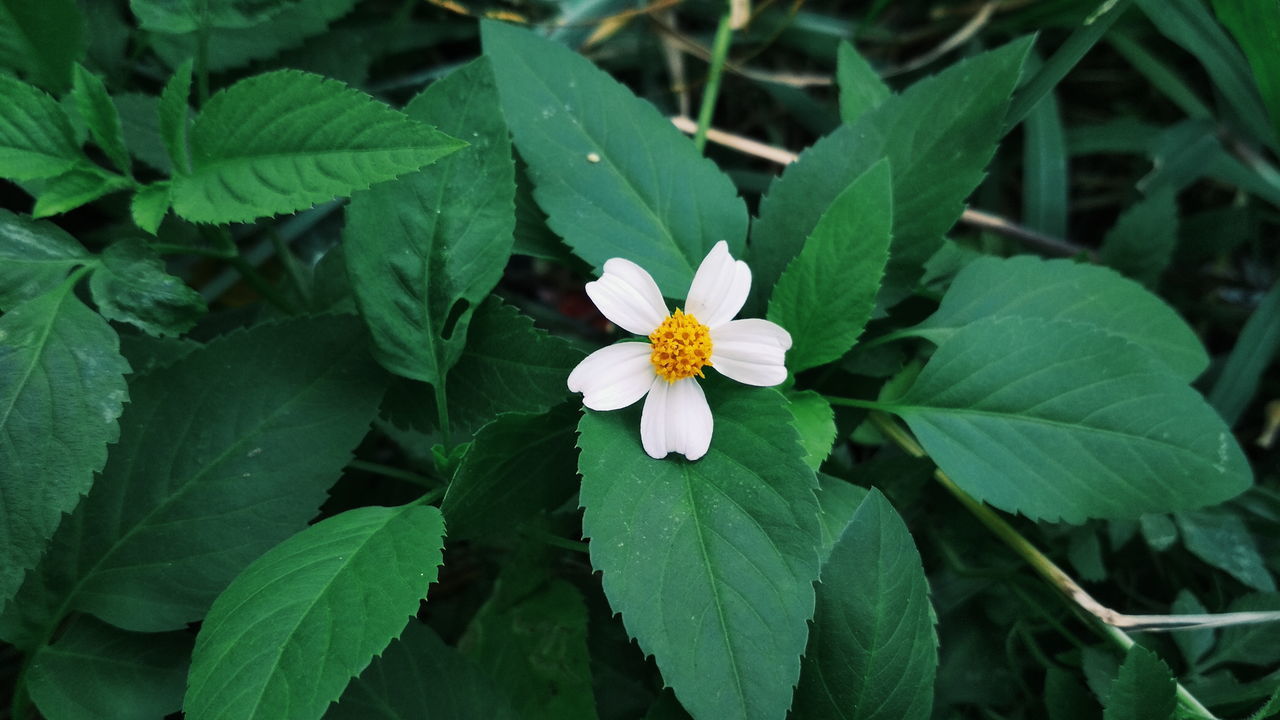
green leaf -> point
(1193, 644)
(816, 424)
(1044, 169)
(711, 563)
(288, 634)
(150, 205)
(286, 140)
(1158, 531)
(42, 38)
(62, 389)
(183, 16)
(1143, 690)
(36, 139)
(1028, 287)
(35, 256)
(1256, 26)
(1220, 538)
(861, 88)
(1256, 644)
(519, 465)
(1142, 241)
(222, 454)
(838, 500)
(418, 677)
(76, 187)
(422, 252)
(1249, 359)
(132, 286)
(938, 136)
(827, 293)
(615, 177)
(95, 671)
(100, 116)
(872, 651)
(140, 121)
(175, 115)
(1057, 420)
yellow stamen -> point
(681, 347)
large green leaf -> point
(1058, 420)
(288, 634)
(286, 140)
(1143, 690)
(132, 286)
(100, 115)
(36, 139)
(183, 16)
(97, 672)
(1256, 26)
(711, 563)
(35, 256)
(1029, 287)
(61, 391)
(861, 88)
(422, 252)
(222, 454)
(838, 500)
(872, 651)
(938, 135)
(615, 177)
(418, 677)
(78, 186)
(42, 38)
(826, 295)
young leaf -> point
(615, 177)
(1029, 287)
(222, 454)
(174, 115)
(1220, 538)
(100, 115)
(36, 139)
(34, 257)
(1141, 242)
(183, 16)
(1058, 420)
(98, 671)
(418, 677)
(814, 420)
(861, 88)
(150, 205)
(422, 252)
(132, 286)
(826, 295)
(42, 38)
(78, 186)
(1144, 689)
(711, 563)
(288, 634)
(286, 140)
(61, 390)
(872, 651)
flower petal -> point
(628, 296)
(719, 288)
(751, 351)
(613, 377)
(676, 418)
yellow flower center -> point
(681, 347)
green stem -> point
(393, 472)
(171, 249)
(864, 404)
(429, 497)
(291, 266)
(442, 414)
(556, 541)
(202, 53)
(719, 51)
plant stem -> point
(393, 472)
(291, 266)
(442, 413)
(719, 51)
(555, 540)
(202, 54)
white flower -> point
(676, 417)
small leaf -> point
(175, 115)
(100, 115)
(1256, 26)
(1158, 531)
(1142, 241)
(423, 251)
(288, 634)
(826, 295)
(132, 286)
(1220, 538)
(1058, 420)
(95, 671)
(1143, 690)
(861, 88)
(150, 205)
(711, 563)
(1194, 644)
(287, 140)
(61, 389)
(816, 423)
(42, 38)
(1237, 383)
(35, 256)
(183, 16)
(622, 183)
(36, 139)
(1256, 644)
(872, 651)
(76, 187)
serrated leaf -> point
(100, 115)
(711, 563)
(149, 206)
(1143, 690)
(872, 651)
(615, 178)
(61, 390)
(288, 634)
(133, 286)
(838, 500)
(422, 252)
(418, 677)
(1029, 287)
(98, 672)
(76, 187)
(175, 115)
(287, 140)
(36, 138)
(815, 421)
(861, 88)
(827, 293)
(183, 16)
(1058, 420)
(938, 135)
(1142, 241)
(42, 38)
(1220, 538)
(35, 256)
(519, 465)
(221, 455)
